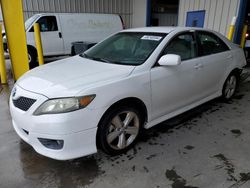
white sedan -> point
(135, 79)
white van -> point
(60, 30)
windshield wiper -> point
(101, 59)
(95, 58)
(84, 55)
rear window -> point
(210, 43)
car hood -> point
(70, 76)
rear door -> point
(51, 35)
(215, 57)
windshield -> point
(30, 21)
(125, 48)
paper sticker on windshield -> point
(150, 37)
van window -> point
(30, 21)
(47, 24)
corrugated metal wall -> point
(219, 13)
(121, 7)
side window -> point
(183, 45)
(211, 44)
(47, 24)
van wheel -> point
(230, 86)
(119, 130)
(73, 51)
(32, 56)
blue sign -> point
(195, 18)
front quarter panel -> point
(137, 86)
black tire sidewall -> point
(104, 125)
(33, 55)
(73, 53)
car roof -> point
(162, 29)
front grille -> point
(23, 103)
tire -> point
(230, 86)
(114, 135)
(73, 53)
(32, 57)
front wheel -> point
(119, 130)
(230, 86)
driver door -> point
(174, 87)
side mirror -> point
(170, 60)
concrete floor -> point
(207, 147)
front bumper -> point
(75, 145)
(77, 129)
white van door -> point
(51, 35)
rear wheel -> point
(73, 51)
(230, 86)
(119, 130)
(32, 56)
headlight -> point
(62, 105)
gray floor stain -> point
(236, 132)
(151, 156)
(133, 168)
(227, 165)
(178, 181)
(243, 178)
(188, 147)
(146, 169)
(240, 179)
(72, 173)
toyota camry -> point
(133, 80)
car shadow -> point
(182, 120)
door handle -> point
(229, 56)
(197, 66)
(60, 35)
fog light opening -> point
(51, 144)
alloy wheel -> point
(123, 130)
(230, 86)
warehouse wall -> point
(139, 13)
(219, 13)
(121, 7)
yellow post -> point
(231, 29)
(12, 11)
(3, 74)
(243, 36)
(38, 44)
